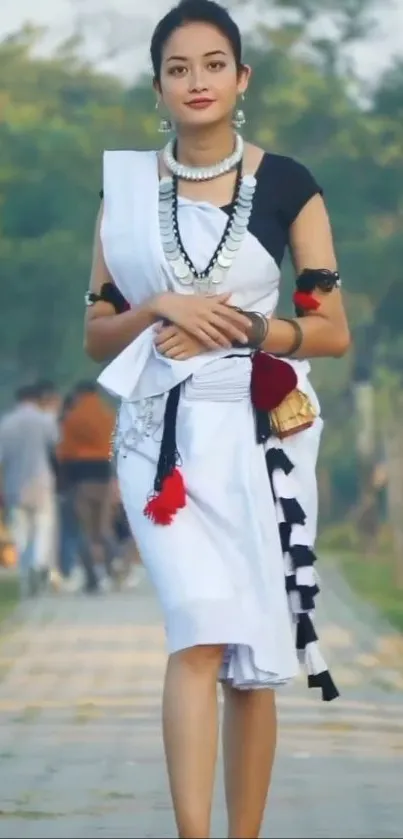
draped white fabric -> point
(219, 567)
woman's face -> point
(199, 81)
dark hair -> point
(85, 386)
(194, 11)
(26, 393)
(68, 403)
(44, 387)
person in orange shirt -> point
(86, 474)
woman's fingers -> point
(212, 337)
(214, 323)
(230, 330)
(221, 298)
(168, 345)
(164, 333)
(237, 318)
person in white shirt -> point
(28, 435)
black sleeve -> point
(298, 185)
(101, 194)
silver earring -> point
(239, 118)
(165, 125)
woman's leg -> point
(249, 743)
(83, 503)
(190, 727)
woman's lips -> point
(200, 104)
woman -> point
(222, 509)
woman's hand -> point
(174, 342)
(209, 319)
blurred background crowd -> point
(63, 523)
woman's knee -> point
(200, 660)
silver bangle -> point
(258, 332)
(260, 328)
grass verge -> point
(373, 579)
(372, 576)
(9, 594)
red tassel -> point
(161, 508)
(304, 301)
(173, 490)
(272, 380)
(156, 512)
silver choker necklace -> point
(202, 173)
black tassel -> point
(302, 556)
(277, 459)
(292, 511)
(285, 534)
(307, 595)
(305, 632)
(325, 682)
(263, 427)
(168, 456)
(290, 583)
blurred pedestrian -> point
(127, 559)
(68, 535)
(49, 400)
(48, 397)
(28, 435)
(83, 453)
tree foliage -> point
(58, 113)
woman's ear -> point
(245, 73)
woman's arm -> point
(325, 331)
(108, 333)
(208, 319)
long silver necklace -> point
(202, 173)
(207, 280)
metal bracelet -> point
(258, 331)
(260, 328)
(298, 337)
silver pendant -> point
(243, 212)
(249, 181)
(166, 185)
(224, 260)
(171, 248)
(181, 270)
(216, 276)
(237, 232)
(233, 244)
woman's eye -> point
(216, 65)
(177, 71)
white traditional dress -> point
(236, 565)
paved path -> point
(80, 744)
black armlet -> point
(321, 278)
(109, 294)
